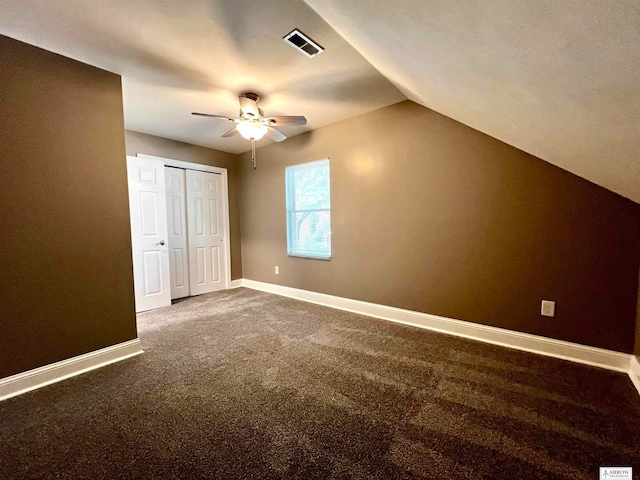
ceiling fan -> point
(253, 125)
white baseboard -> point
(574, 352)
(634, 372)
(39, 377)
(236, 283)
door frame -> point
(170, 162)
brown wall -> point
(433, 216)
(162, 147)
(637, 349)
(65, 266)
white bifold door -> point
(179, 229)
(177, 237)
(206, 235)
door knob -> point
(161, 242)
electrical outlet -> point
(277, 269)
(548, 308)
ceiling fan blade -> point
(274, 134)
(231, 133)
(222, 117)
(289, 121)
(249, 107)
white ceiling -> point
(559, 79)
(177, 57)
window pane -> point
(312, 232)
(308, 210)
(311, 187)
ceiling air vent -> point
(303, 43)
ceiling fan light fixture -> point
(252, 130)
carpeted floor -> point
(246, 385)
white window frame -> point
(292, 251)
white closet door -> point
(206, 234)
(177, 230)
(148, 210)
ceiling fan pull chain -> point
(253, 152)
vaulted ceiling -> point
(560, 80)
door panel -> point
(206, 236)
(178, 278)
(197, 219)
(147, 207)
(215, 263)
(202, 269)
(174, 209)
(213, 214)
(178, 243)
(148, 214)
(153, 272)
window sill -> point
(308, 256)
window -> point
(309, 210)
